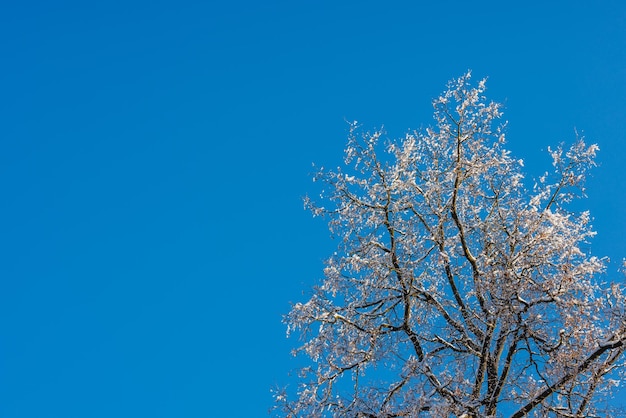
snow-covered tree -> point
(456, 290)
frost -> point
(456, 291)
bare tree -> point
(457, 291)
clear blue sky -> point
(153, 156)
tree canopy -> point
(456, 290)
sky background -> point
(154, 156)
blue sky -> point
(153, 157)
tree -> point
(456, 291)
